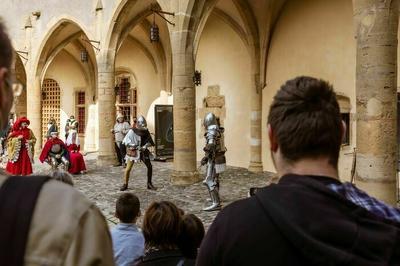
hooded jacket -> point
(300, 221)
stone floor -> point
(101, 185)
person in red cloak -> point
(20, 148)
(76, 158)
(55, 152)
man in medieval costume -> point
(120, 130)
(137, 142)
(20, 148)
(55, 152)
(71, 125)
(214, 159)
(51, 127)
(76, 158)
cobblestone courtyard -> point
(101, 185)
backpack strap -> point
(18, 196)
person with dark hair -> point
(192, 233)
(128, 241)
(44, 221)
(161, 229)
(309, 217)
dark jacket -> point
(145, 138)
(162, 258)
(299, 222)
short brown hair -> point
(127, 207)
(192, 233)
(161, 225)
(6, 50)
(305, 118)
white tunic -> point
(132, 139)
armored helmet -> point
(141, 123)
(209, 120)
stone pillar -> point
(376, 92)
(185, 165)
(34, 110)
(255, 126)
(106, 114)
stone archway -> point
(65, 39)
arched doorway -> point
(67, 74)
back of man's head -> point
(305, 120)
(6, 95)
(127, 208)
(5, 48)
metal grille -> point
(125, 91)
(126, 100)
(50, 104)
(81, 97)
(81, 119)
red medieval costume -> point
(20, 148)
(76, 158)
(48, 151)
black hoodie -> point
(300, 222)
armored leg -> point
(211, 184)
(65, 163)
(53, 163)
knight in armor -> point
(20, 148)
(137, 142)
(214, 159)
(71, 125)
(55, 153)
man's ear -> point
(6, 97)
(272, 138)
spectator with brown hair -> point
(192, 233)
(161, 229)
(45, 222)
(310, 217)
(128, 241)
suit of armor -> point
(55, 152)
(214, 159)
(57, 156)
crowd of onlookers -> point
(168, 236)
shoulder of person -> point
(68, 197)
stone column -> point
(184, 110)
(255, 126)
(34, 110)
(376, 92)
(106, 114)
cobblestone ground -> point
(101, 185)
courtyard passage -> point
(101, 185)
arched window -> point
(126, 100)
